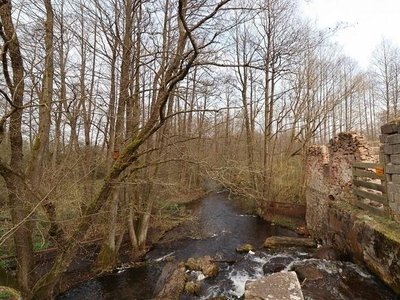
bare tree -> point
(13, 171)
(386, 70)
(186, 51)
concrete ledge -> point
(279, 286)
(368, 240)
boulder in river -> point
(282, 286)
(286, 241)
(308, 272)
(277, 264)
(174, 283)
(328, 253)
(204, 264)
(193, 288)
(245, 248)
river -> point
(219, 226)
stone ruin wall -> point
(390, 140)
(344, 149)
(329, 174)
(317, 190)
(356, 235)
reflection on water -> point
(220, 229)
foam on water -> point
(359, 270)
(165, 256)
(238, 279)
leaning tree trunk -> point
(108, 253)
(177, 70)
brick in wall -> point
(383, 138)
(395, 159)
(392, 149)
(392, 169)
(390, 128)
(393, 187)
(395, 178)
(393, 139)
(390, 197)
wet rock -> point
(210, 270)
(285, 241)
(245, 248)
(327, 253)
(302, 230)
(308, 272)
(174, 285)
(193, 288)
(192, 264)
(282, 286)
(276, 264)
(166, 272)
(205, 264)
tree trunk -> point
(176, 71)
(16, 195)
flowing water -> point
(218, 228)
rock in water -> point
(286, 241)
(282, 286)
(174, 285)
(204, 264)
(245, 248)
(193, 288)
(276, 264)
(308, 272)
(328, 253)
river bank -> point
(217, 228)
(166, 216)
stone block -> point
(392, 169)
(388, 177)
(387, 149)
(389, 128)
(396, 178)
(395, 148)
(393, 139)
(391, 197)
(282, 286)
(394, 206)
(395, 159)
(383, 138)
(393, 188)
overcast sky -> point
(368, 21)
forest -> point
(112, 110)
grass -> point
(41, 246)
(387, 226)
(4, 264)
(7, 293)
(286, 222)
